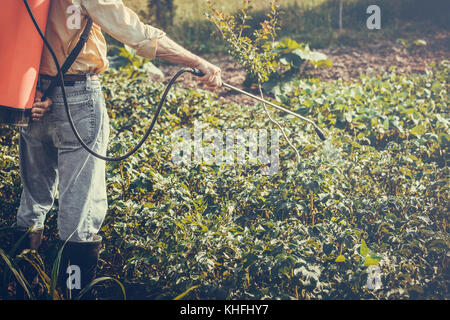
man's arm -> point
(124, 25)
(169, 50)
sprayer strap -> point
(72, 56)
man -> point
(51, 159)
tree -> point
(161, 12)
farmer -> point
(51, 159)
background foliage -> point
(311, 21)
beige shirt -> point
(110, 15)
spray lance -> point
(24, 112)
(319, 132)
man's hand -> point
(213, 75)
(169, 50)
(40, 107)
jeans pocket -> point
(84, 120)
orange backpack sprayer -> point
(20, 57)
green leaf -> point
(325, 63)
(418, 130)
(372, 260)
(386, 124)
(55, 269)
(420, 42)
(340, 258)
(98, 280)
(17, 273)
(181, 296)
(363, 250)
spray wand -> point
(319, 132)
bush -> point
(375, 193)
(265, 59)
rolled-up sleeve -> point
(123, 24)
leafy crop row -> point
(374, 194)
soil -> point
(348, 64)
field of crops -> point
(374, 196)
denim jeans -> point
(54, 164)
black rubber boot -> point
(31, 240)
(83, 256)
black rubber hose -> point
(66, 105)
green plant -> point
(290, 57)
(378, 189)
(266, 60)
(201, 231)
(13, 259)
(254, 54)
(411, 45)
(252, 51)
(128, 62)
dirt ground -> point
(348, 63)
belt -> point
(71, 79)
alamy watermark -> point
(74, 279)
(73, 21)
(373, 278)
(374, 20)
(228, 147)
